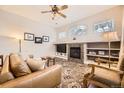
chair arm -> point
(93, 68)
(122, 82)
(100, 60)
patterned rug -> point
(73, 72)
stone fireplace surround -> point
(67, 56)
(74, 45)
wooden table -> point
(0, 69)
(1, 59)
(49, 59)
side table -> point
(49, 59)
(1, 60)
(0, 69)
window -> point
(79, 30)
(105, 26)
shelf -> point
(98, 48)
(103, 49)
(105, 56)
(65, 42)
(115, 49)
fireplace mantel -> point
(77, 42)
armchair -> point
(101, 60)
(105, 77)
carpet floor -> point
(72, 75)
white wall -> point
(13, 26)
(8, 45)
(122, 38)
(90, 35)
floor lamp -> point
(110, 36)
(19, 45)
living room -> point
(46, 46)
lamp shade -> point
(18, 37)
(110, 36)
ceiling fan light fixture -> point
(55, 10)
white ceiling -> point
(74, 13)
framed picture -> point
(101, 52)
(105, 26)
(93, 53)
(45, 38)
(29, 36)
(38, 40)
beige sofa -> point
(47, 78)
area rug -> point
(72, 75)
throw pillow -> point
(36, 65)
(18, 66)
(6, 75)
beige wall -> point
(122, 38)
(91, 36)
(12, 26)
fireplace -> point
(75, 52)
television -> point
(61, 48)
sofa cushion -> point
(108, 77)
(6, 75)
(121, 63)
(18, 66)
(47, 78)
(36, 65)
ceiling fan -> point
(56, 10)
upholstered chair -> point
(105, 77)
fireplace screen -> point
(75, 52)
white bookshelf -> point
(104, 49)
(92, 50)
(103, 56)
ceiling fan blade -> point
(63, 7)
(53, 6)
(61, 14)
(45, 11)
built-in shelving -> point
(104, 56)
(103, 50)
